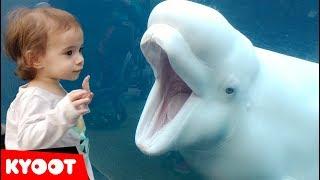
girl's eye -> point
(69, 53)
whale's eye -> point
(229, 90)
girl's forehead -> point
(72, 37)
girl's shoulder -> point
(36, 94)
(27, 98)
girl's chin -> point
(75, 78)
(72, 78)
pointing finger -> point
(85, 83)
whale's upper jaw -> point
(167, 106)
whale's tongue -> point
(177, 92)
(175, 104)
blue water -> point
(121, 78)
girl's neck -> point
(51, 85)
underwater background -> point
(121, 78)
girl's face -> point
(63, 58)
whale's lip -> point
(166, 108)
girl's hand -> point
(80, 100)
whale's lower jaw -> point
(153, 141)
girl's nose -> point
(80, 59)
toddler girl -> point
(46, 44)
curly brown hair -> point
(28, 30)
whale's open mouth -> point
(173, 93)
(159, 123)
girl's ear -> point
(31, 60)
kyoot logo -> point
(40, 165)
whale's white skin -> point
(235, 111)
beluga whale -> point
(233, 110)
